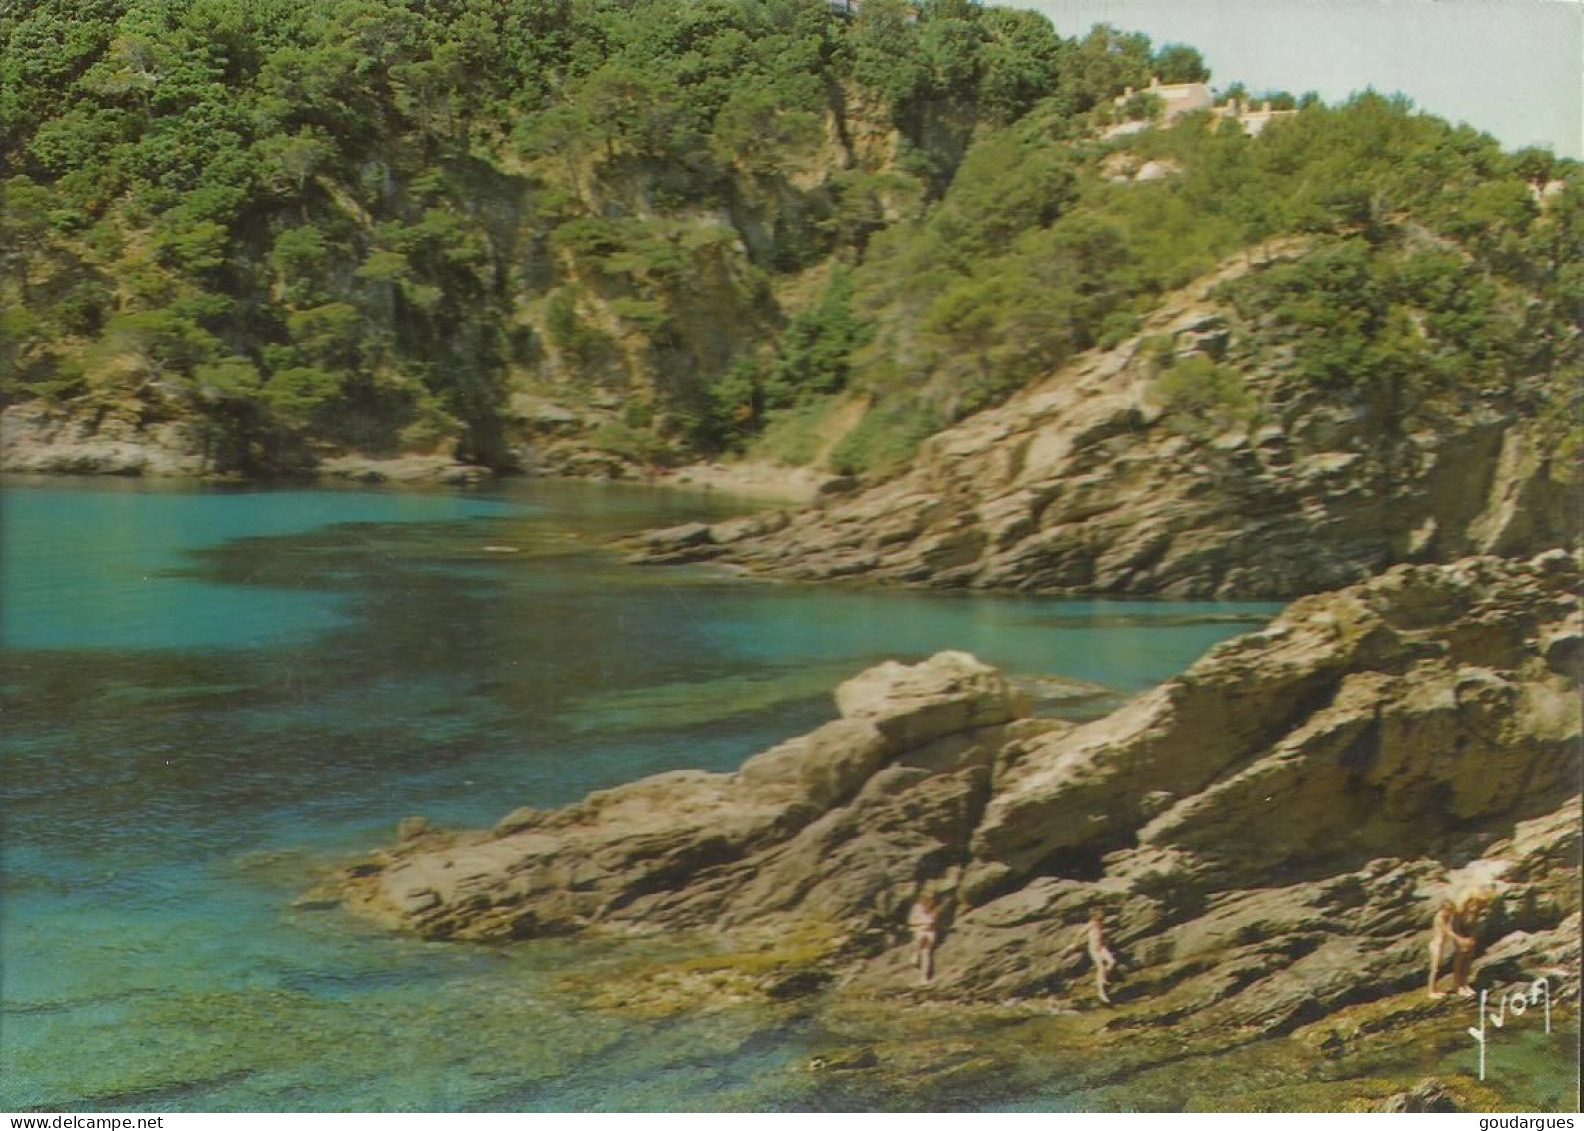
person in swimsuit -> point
(1093, 940)
(924, 922)
(1454, 927)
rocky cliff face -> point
(34, 439)
(1088, 483)
(1264, 834)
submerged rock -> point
(412, 828)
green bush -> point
(1202, 390)
(1118, 326)
(586, 345)
(795, 435)
(631, 443)
(888, 436)
(816, 355)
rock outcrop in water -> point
(691, 848)
(1264, 833)
(1086, 483)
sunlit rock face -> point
(1086, 483)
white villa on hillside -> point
(1178, 98)
(1252, 121)
(1182, 98)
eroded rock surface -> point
(1085, 483)
(693, 848)
(38, 439)
(1266, 834)
(35, 439)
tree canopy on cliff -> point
(365, 223)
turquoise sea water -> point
(212, 694)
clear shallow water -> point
(211, 693)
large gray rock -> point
(689, 846)
(1393, 713)
(914, 705)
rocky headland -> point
(1091, 481)
(1266, 836)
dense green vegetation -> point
(366, 224)
(1408, 217)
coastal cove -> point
(779, 555)
(216, 694)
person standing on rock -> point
(1093, 939)
(924, 922)
(1454, 926)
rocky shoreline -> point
(1087, 482)
(1265, 836)
(35, 440)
